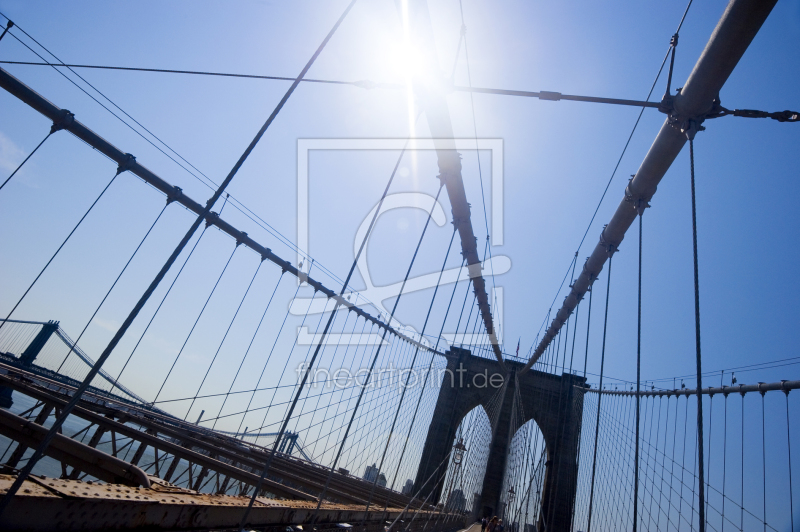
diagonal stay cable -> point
(26, 471)
(408, 376)
(310, 365)
(378, 350)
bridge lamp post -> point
(458, 452)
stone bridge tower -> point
(554, 402)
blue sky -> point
(557, 160)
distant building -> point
(372, 472)
(408, 488)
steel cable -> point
(602, 367)
(89, 322)
(119, 171)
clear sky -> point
(557, 159)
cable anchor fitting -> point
(64, 121)
(610, 247)
(637, 200)
(211, 219)
(126, 164)
(174, 194)
(667, 102)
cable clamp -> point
(610, 248)
(211, 219)
(126, 164)
(241, 238)
(638, 201)
(64, 121)
(174, 194)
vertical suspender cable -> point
(196, 321)
(153, 317)
(250, 345)
(427, 374)
(724, 457)
(247, 291)
(52, 258)
(588, 328)
(789, 446)
(741, 506)
(638, 387)
(599, 395)
(763, 462)
(700, 469)
(26, 158)
(108, 293)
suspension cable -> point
(119, 171)
(638, 383)
(377, 353)
(197, 320)
(26, 158)
(701, 488)
(408, 376)
(214, 358)
(250, 345)
(163, 299)
(89, 322)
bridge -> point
(337, 412)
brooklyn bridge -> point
(170, 360)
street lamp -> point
(511, 495)
(458, 451)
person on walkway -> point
(492, 524)
(499, 527)
(484, 522)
